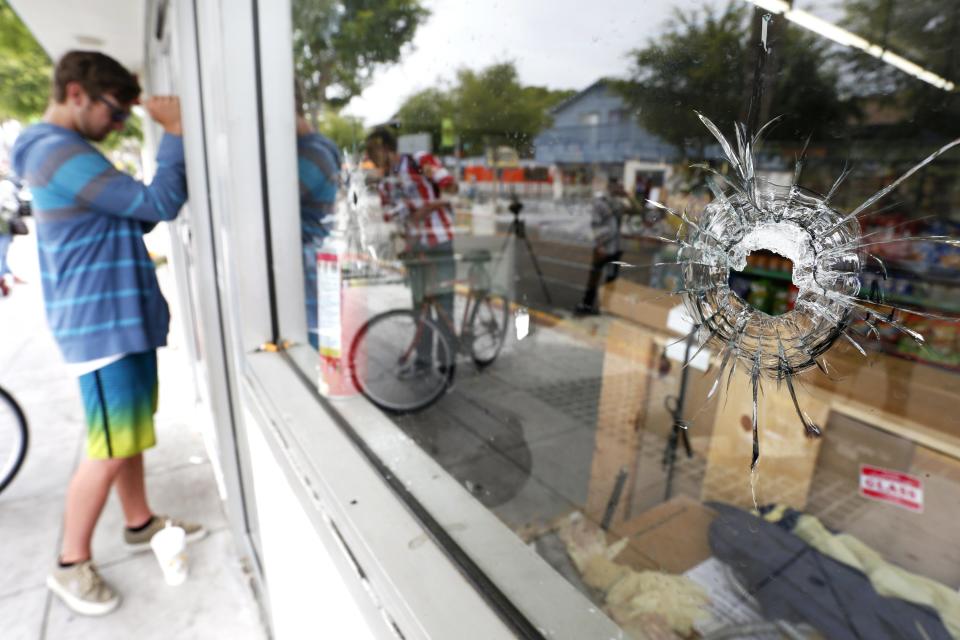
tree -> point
(488, 108)
(24, 69)
(492, 108)
(424, 111)
(338, 44)
(346, 131)
(926, 32)
(705, 61)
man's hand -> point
(420, 214)
(166, 111)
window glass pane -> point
(671, 289)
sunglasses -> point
(117, 113)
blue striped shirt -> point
(100, 288)
(318, 170)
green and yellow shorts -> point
(120, 400)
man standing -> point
(318, 170)
(412, 189)
(102, 298)
(605, 216)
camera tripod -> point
(518, 229)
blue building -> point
(597, 127)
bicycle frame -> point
(430, 302)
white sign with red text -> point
(900, 489)
(328, 300)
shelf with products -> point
(922, 274)
(918, 270)
(922, 303)
(771, 290)
(925, 302)
(766, 284)
(767, 273)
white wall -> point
(308, 598)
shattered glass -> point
(829, 255)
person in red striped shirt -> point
(414, 190)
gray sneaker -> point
(140, 540)
(82, 589)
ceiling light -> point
(849, 39)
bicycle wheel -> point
(488, 328)
(401, 362)
(13, 438)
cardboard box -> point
(924, 542)
(787, 456)
(638, 303)
(672, 537)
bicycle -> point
(404, 360)
(14, 438)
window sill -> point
(407, 567)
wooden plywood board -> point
(655, 427)
(629, 359)
(637, 303)
(672, 536)
(787, 456)
(917, 401)
(921, 542)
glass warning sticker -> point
(894, 487)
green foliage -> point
(346, 131)
(803, 88)
(337, 44)
(695, 63)
(24, 69)
(423, 112)
(132, 131)
(25, 75)
(489, 108)
(705, 61)
(926, 32)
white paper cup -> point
(170, 546)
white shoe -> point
(82, 589)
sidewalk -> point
(215, 602)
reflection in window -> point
(512, 242)
(318, 170)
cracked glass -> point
(670, 290)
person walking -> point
(605, 216)
(102, 298)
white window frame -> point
(404, 575)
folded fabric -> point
(887, 579)
(795, 582)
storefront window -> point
(671, 290)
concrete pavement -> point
(215, 602)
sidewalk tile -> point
(30, 531)
(47, 468)
(178, 444)
(188, 493)
(213, 603)
(21, 614)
